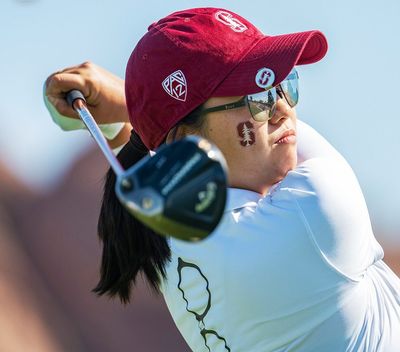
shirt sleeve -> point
(329, 199)
(310, 144)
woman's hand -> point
(104, 93)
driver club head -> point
(178, 192)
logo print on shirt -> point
(245, 132)
(227, 19)
(175, 85)
(265, 77)
(212, 340)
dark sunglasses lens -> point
(262, 105)
(290, 88)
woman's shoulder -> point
(316, 175)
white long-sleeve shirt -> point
(296, 270)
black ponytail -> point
(129, 247)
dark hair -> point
(129, 247)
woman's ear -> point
(171, 136)
(179, 132)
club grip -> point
(74, 94)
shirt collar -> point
(239, 198)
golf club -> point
(180, 191)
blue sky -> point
(351, 96)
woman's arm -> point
(332, 205)
(310, 144)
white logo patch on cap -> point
(265, 78)
(175, 85)
(227, 19)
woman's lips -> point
(287, 137)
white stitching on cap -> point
(227, 19)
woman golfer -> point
(293, 264)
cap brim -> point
(277, 53)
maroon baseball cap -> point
(192, 55)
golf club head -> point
(180, 191)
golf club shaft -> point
(79, 105)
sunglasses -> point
(262, 105)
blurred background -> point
(50, 181)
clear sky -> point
(351, 96)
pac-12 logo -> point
(175, 85)
(227, 19)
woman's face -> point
(258, 154)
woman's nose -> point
(281, 112)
